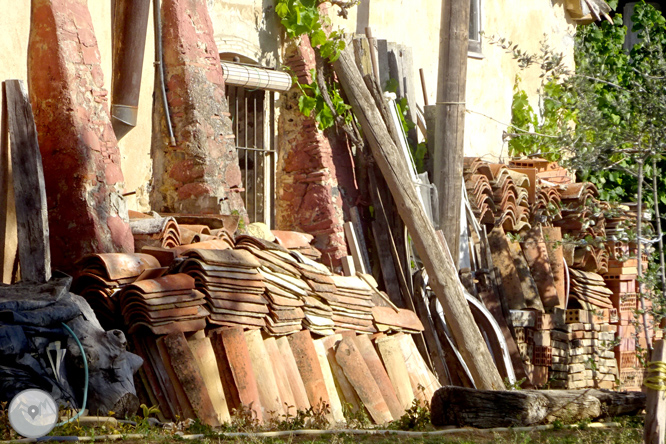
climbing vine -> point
(321, 99)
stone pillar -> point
(84, 182)
(201, 173)
(315, 172)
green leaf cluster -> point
(302, 17)
(608, 115)
(312, 104)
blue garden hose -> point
(85, 386)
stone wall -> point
(200, 174)
(82, 171)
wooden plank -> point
(362, 55)
(354, 247)
(439, 265)
(8, 234)
(383, 62)
(655, 408)
(348, 267)
(389, 276)
(360, 237)
(29, 189)
(465, 407)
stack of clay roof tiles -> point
(232, 284)
(497, 195)
(227, 323)
(101, 276)
(586, 284)
(163, 305)
(154, 231)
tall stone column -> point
(201, 173)
(84, 182)
(315, 171)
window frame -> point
(475, 48)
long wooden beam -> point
(441, 270)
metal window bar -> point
(257, 163)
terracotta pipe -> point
(130, 23)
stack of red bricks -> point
(621, 279)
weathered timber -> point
(440, 267)
(29, 189)
(655, 419)
(463, 407)
(450, 121)
(9, 251)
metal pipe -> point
(130, 23)
(159, 65)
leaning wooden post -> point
(29, 189)
(441, 270)
(655, 419)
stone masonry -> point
(84, 182)
(315, 179)
(201, 173)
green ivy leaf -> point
(318, 38)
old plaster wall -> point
(490, 76)
(247, 27)
(134, 147)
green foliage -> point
(302, 17)
(518, 385)
(313, 104)
(417, 417)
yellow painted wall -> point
(135, 146)
(490, 79)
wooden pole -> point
(450, 121)
(440, 268)
(655, 409)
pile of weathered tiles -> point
(498, 195)
(163, 305)
(232, 284)
(352, 304)
(154, 231)
(208, 376)
(100, 277)
(580, 287)
(252, 323)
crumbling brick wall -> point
(83, 178)
(201, 173)
(315, 179)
